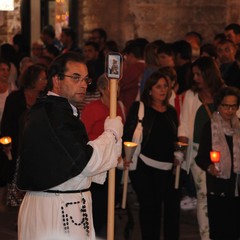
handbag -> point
(137, 137)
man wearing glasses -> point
(58, 163)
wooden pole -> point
(125, 187)
(111, 174)
(177, 176)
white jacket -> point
(189, 109)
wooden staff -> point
(111, 174)
(125, 187)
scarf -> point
(220, 128)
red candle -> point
(215, 156)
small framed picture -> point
(114, 65)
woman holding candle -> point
(196, 111)
(220, 141)
(153, 179)
(32, 83)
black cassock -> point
(54, 145)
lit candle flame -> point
(182, 144)
(130, 144)
(5, 140)
(215, 156)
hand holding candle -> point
(215, 158)
(6, 142)
(179, 155)
(129, 148)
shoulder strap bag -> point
(137, 137)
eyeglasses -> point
(78, 78)
(229, 107)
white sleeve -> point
(183, 129)
(104, 157)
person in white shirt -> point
(58, 163)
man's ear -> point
(56, 81)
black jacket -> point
(148, 122)
(54, 146)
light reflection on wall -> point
(61, 15)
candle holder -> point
(180, 148)
(215, 158)
(6, 142)
(129, 148)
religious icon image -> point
(114, 66)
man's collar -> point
(75, 111)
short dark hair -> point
(134, 48)
(158, 42)
(195, 34)
(8, 52)
(166, 48)
(224, 92)
(52, 49)
(233, 26)
(49, 30)
(210, 49)
(111, 46)
(102, 33)
(183, 48)
(58, 65)
(69, 32)
(19, 39)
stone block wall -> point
(168, 20)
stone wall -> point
(153, 19)
(158, 19)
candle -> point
(215, 156)
(129, 148)
(130, 144)
(181, 144)
(6, 141)
(180, 148)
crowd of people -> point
(54, 104)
